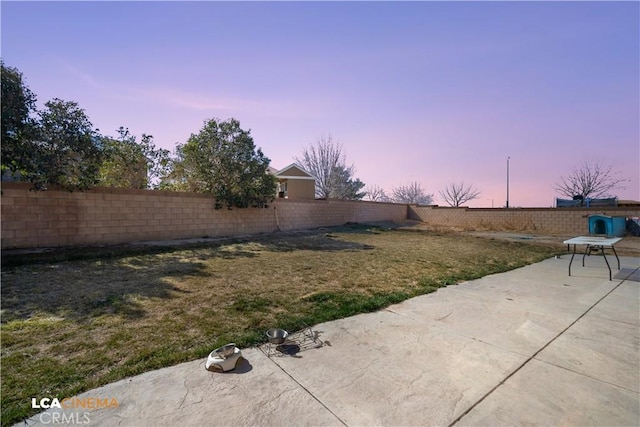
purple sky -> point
(432, 92)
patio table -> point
(593, 243)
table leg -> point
(605, 260)
(587, 249)
(616, 254)
(572, 255)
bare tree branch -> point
(375, 193)
(591, 180)
(320, 159)
(456, 194)
(326, 161)
(412, 193)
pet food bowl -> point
(224, 358)
(277, 336)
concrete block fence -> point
(109, 216)
(568, 221)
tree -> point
(591, 180)
(343, 186)
(57, 145)
(375, 193)
(411, 194)
(327, 163)
(222, 160)
(66, 148)
(18, 123)
(181, 174)
(131, 164)
(456, 194)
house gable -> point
(293, 171)
(295, 182)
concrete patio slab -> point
(530, 326)
(622, 305)
(545, 395)
(604, 343)
(600, 348)
(537, 308)
(386, 369)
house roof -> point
(294, 171)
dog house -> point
(607, 225)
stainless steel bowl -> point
(277, 336)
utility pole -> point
(508, 181)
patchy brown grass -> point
(69, 326)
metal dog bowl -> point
(277, 336)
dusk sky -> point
(433, 92)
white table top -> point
(593, 240)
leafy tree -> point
(591, 180)
(18, 123)
(66, 148)
(411, 193)
(456, 194)
(131, 164)
(222, 160)
(181, 174)
(55, 146)
(327, 163)
(375, 193)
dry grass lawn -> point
(75, 322)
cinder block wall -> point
(569, 221)
(108, 216)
